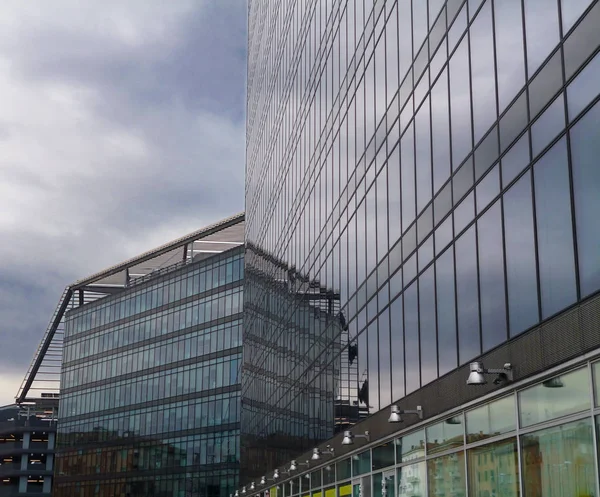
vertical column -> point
(51, 440)
(26, 440)
(23, 483)
(47, 488)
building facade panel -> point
(150, 399)
(425, 161)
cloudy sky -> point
(121, 128)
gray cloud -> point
(124, 129)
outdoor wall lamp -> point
(252, 486)
(396, 414)
(478, 372)
(317, 453)
(294, 465)
(349, 437)
(243, 490)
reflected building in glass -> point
(434, 165)
(150, 389)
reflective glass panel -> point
(584, 88)
(520, 256)
(343, 469)
(445, 435)
(491, 419)
(383, 455)
(412, 479)
(554, 229)
(494, 469)
(555, 397)
(559, 461)
(585, 150)
(446, 475)
(410, 447)
(361, 463)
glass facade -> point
(491, 449)
(433, 164)
(150, 400)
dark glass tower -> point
(434, 165)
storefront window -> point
(329, 492)
(596, 373)
(494, 469)
(445, 435)
(361, 463)
(446, 475)
(559, 461)
(343, 469)
(383, 456)
(315, 479)
(491, 419)
(412, 479)
(328, 474)
(555, 397)
(410, 447)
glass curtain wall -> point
(432, 163)
(150, 400)
(539, 441)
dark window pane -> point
(491, 278)
(541, 21)
(488, 189)
(571, 10)
(385, 350)
(515, 160)
(585, 150)
(514, 121)
(554, 229)
(520, 256)
(482, 72)
(467, 300)
(383, 455)
(411, 338)
(582, 42)
(427, 326)
(545, 85)
(446, 311)
(509, 50)
(550, 124)
(464, 213)
(408, 178)
(440, 131)
(423, 156)
(460, 104)
(397, 345)
(584, 88)
(373, 375)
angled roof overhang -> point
(42, 380)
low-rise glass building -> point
(150, 388)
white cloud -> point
(121, 128)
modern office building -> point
(434, 164)
(150, 385)
(27, 443)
